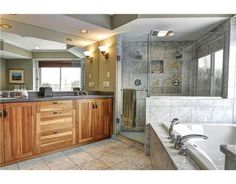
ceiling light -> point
(83, 31)
(162, 33)
(170, 33)
(69, 39)
(36, 48)
(6, 26)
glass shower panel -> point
(204, 76)
(134, 82)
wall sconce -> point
(88, 56)
(103, 49)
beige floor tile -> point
(110, 159)
(124, 165)
(62, 164)
(94, 165)
(80, 158)
(40, 167)
(107, 154)
(10, 167)
(149, 167)
(30, 164)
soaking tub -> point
(206, 153)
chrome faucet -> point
(174, 122)
(180, 142)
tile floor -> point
(108, 154)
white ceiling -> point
(184, 28)
(57, 28)
(62, 23)
(29, 43)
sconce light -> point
(88, 56)
(103, 49)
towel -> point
(129, 109)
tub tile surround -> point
(189, 109)
(230, 156)
(169, 156)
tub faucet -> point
(174, 122)
(180, 142)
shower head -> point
(178, 55)
(138, 55)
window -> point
(209, 75)
(60, 78)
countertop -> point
(39, 99)
(181, 162)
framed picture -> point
(16, 76)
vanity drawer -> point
(55, 105)
(54, 115)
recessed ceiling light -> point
(36, 47)
(69, 39)
(6, 26)
(84, 31)
(162, 33)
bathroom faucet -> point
(180, 142)
(174, 122)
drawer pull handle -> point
(55, 132)
(56, 112)
(55, 102)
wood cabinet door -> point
(103, 118)
(107, 116)
(1, 135)
(18, 130)
(84, 123)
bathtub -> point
(206, 153)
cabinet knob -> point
(55, 132)
(55, 102)
(4, 113)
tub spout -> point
(180, 141)
(174, 122)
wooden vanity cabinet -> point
(93, 119)
(103, 118)
(31, 128)
(84, 121)
(18, 131)
(55, 125)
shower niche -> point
(157, 66)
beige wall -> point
(91, 68)
(101, 66)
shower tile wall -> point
(135, 66)
(174, 68)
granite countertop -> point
(38, 99)
(228, 150)
(181, 162)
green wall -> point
(27, 65)
(2, 74)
